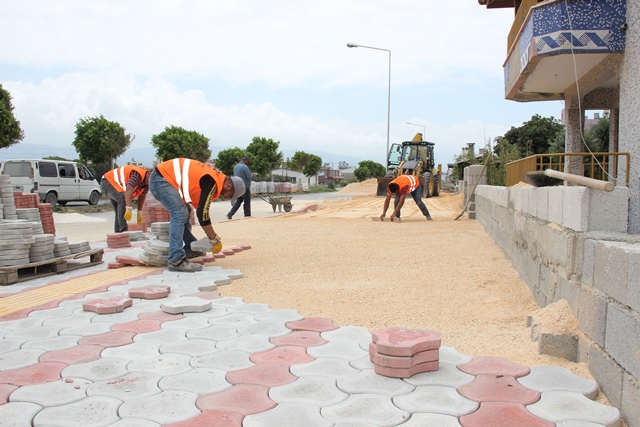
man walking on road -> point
(242, 171)
(179, 182)
(401, 187)
(122, 185)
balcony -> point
(559, 41)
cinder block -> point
(622, 339)
(575, 212)
(608, 374)
(611, 266)
(588, 261)
(630, 408)
(609, 211)
(633, 286)
(548, 283)
(569, 291)
(592, 314)
(541, 198)
(555, 204)
(559, 345)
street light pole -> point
(351, 45)
(424, 129)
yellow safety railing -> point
(602, 166)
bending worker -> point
(179, 182)
(401, 187)
(122, 185)
(242, 170)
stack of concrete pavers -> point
(46, 218)
(26, 200)
(6, 194)
(118, 240)
(402, 353)
(79, 246)
(43, 248)
(160, 230)
(61, 247)
(136, 235)
(16, 238)
(155, 252)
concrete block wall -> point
(571, 243)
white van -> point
(56, 181)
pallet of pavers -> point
(19, 273)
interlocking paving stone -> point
(248, 343)
(135, 422)
(331, 367)
(498, 388)
(94, 328)
(432, 420)
(440, 399)
(368, 409)
(269, 328)
(160, 315)
(406, 372)
(107, 368)
(35, 333)
(404, 342)
(200, 380)
(402, 361)
(138, 326)
(321, 391)
(215, 332)
(76, 354)
(235, 319)
(282, 315)
(493, 365)
(186, 305)
(251, 308)
(130, 386)
(503, 414)
(301, 338)
(34, 374)
(150, 292)
(555, 378)
(578, 424)
(556, 406)
(110, 339)
(134, 351)
(228, 360)
(348, 333)
(285, 414)
(54, 393)
(162, 336)
(211, 418)
(244, 399)
(20, 358)
(192, 347)
(165, 364)
(88, 412)
(368, 381)
(348, 350)
(286, 354)
(108, 305)
(168, 407)
(18, 413)
(266, 374)
(188, 323)
(5, 391)
(447, 375)
(316, 324)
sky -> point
(280, 69)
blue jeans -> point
(180, 236)
(246, 198)
(417, 197)
(119, 205)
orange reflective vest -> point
(407, 183)
(184, 175)
(119, 177)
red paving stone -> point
(39, 373)
(245, 399)
(108, 305)
(115, 265)
(128, 260)
(5, 392)
(245, 247)
(228, 252)
(150, 292)
(212, 418)
(266, 374)
(404, 342)
(402, 361)
(500, 414)
(78, 354)
(406, 372)
(498, 388)
(219, 255)
(160, 315)
(110, 339)
(138, 326)
(317, 324)
(285, 354)
(300, 338)
(494, 365)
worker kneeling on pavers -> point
(179, 182)
(400, 187)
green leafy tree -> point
(228, 158)
(99, 140)
(597, 136)
(308, 164)
(175, 142)
(558, 144)
(10, 131)
(265, 156)
(368, 169)
(534, 136)
(312, 167)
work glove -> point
(216, 244)
(139, 218)
(128, 213)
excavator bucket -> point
(383, 184)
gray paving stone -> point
(106, 368)
(135, 422)
(361, 363)
(186, 305)
(200, 381)
(431, 420)
(578, 424)
(167, 407)
(188, 323)
(8, 345)
(102, 295)
(4, 331)
(88, 330)
(367, 381)
(348, 350)
(134, 351)
(247, 343)
(131, 386)
(332, 367)
(191, 347)
(130, 314)
(450, 354)
(438, 399)
(369, 409)
(348, 333)
(288, 415)
(53, 312)
(228, 301)
(555, 378)
(165, 364)
(88, 412)
(556, 406)
(20, 358)
(235, 319)
(34, 333)
(161, 336)
(75, 319)
(227, 360)
(321, 391)
(250, 308)
(18, 414)
(446, 375)
(267, 328)
(215, 332)
(282, 315)
(55, 393)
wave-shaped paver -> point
(54, 393)
(90, 412)
(131, 386)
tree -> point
(265, 156)
(10, 131)
(228, 158)
(597, 136)
(174, 142)
(369, 169)
(312, 167)
(99, 140)
(308, 164)
(534, 136)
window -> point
(17, 169)
(48, 169)
(67, 171)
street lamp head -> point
(352, 45)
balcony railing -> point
(602, 166)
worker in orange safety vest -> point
(401, 187)
(122, 185)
